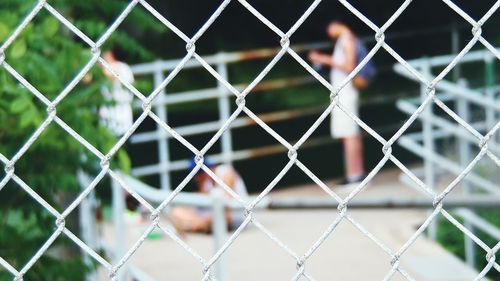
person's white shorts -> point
(341, 124)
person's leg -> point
(189, 219)
(353, 154)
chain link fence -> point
(116, 268)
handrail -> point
(435, 127)
(480, 223)
(231, 57)
(471, 56)
(309, 202)
(194, 199)
(221, 62)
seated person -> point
(199, 219)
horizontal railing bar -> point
(201, 128)
(495, 89)
(473, 201)
(195, 199)
(155, 195)
(473, 96)
(450, 127)
(447, 164)
(212, 93)
(222, 57)
(154, 135)
(444, 60)
(453, 89)
(232, 57)
(217, 158)
(243, 154)
(185, 97)
(480, 223)
(436, 134)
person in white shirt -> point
(118, 117)
(189, 219)
(342, 62)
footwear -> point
(350, 180)
(347, 182)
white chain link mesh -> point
(394, 255)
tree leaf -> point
(9, 18)
(18, 49)
(28, 117)
(19, 104)
(50, 27)
(4, 31)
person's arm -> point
(319, 58)
(327, 60)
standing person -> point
(342, 62)
(199, 219)
(118, 117)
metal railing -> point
(221, 63)
(215, 201)
(437, 127)
(409, 141)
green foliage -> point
(48, 56)
(93, 18)
(453, 240)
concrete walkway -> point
(346, 255)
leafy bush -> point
(48, 56)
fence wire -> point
(394, 256)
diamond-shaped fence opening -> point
(117, 259)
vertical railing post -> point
(491, 112)
(88, 224)
(163, 150)
(118, 200)
(463, 108)
(455, 49)
(219, 231)
(430, 177)
(224, 109)
(489, 89)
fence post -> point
(428, 141)
(465, 157)
(219, 231)
(224, 109)
(118, 200)
(161, 111)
